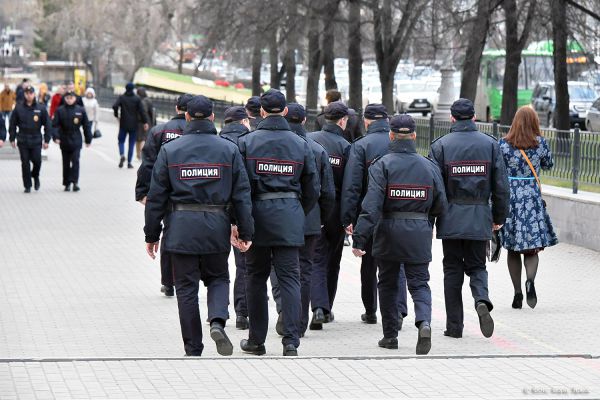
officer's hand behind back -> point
(13, 144)
(358, 252)
(152, 249)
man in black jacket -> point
(405, 192)
(328, 253)
(199, 176)
(285, 187)
(474, 175)
(157, 136)
(363, 152)
(353, 128)
(253, 111)
(68, 120)
(132, 110)
(71, 88)
(29, 117)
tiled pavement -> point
(81, 315)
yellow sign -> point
(79, 77)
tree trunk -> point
(256, 64)
(290, 72)
(477, 39)
(354, 57)
(328, 44)
(386, 77)
(314, 63)
(274, 60)
(180, 62)
(559, 34)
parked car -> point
(414, 96)
(592, 122)
(581, 98)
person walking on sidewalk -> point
(141, 132)
(528, 228)
(7, 102)
(474, 176)
(131, 110)
(197, 179)
(25, 128)
(92, 108)
(68, 121)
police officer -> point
(253, 111)
(405, 192)
(353, 128)
(326, 265)
(2, 130)
(67, 122)
(198, 176)
(29, 117)
(474, 173)
(285, 187)
(296, 117)
(156, 137)
(237, 123)
(363, 151)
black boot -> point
(75, 188)
(388, 343)
(424, 341)
(369, 318)
(289, 350)
(217, 333)
(252, 348)
(453, 334)
(122, 162)
(241, 323)
(169, 291)
(68, 187)
(517, 300)
(130, 166)
(531, 294)
(486, 323)
(316, 324)
(279, 325)
(36, 183)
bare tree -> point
(355, 58)
(560, 34)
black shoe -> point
(130, 166)
(518, 300)
(241, 323)
(453, 334)
(486, 323)
(388, 343)
(424, 341)
(252, 348)
(328, 317)
(122, 162)
(76, 188)
(289, 350)
(27, 190)
(369, 318)
(318, 318)
(36, 183)
(279, 325)
(531, 295)
(400, 322)
(217, 333)
(169, 291)
(68, 187)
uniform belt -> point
(469, 201)
(276, 195)
(405, 215)
(199, 207)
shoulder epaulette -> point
(495, 139)
(228, 139)
(375, 160)
(359, 138)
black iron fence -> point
(576, 153)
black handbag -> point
(97, 134)
(494, 247)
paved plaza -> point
(81, 315)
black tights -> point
(514, 267)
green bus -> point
(536, 66)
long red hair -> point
(525, 129)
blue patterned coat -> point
(528, 225)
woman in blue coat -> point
(528, 229)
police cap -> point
(375, 111)
(236, 113)
(296, 113)
(272, 101)
(462, 109)
(402, 123)
(29, 89)
(200, 107)
(336, 110)
(182, 101)
(253, 104)
(70, 93)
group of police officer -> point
(25, 132)
(285, 199)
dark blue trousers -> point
(417, 277)
(239, 286)
(284, 261)
(306, 256)
(189, 270)
(70, 166)
(29, 156)
(326, 267)
(463, 257)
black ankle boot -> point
(517, 300)
(531, 294)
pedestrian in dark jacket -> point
(237, 123)
(474, 175)
(131, 110)
(253, 110)
(157, 136)
(285, 187)
(150, 113)
(195, 180)
(363, 152)
(405, 193)
(353, 128)
(68, 120)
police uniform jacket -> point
(131, 109)
(284, 180)
(67, 123)
(474, 175)
(156, 137)
(30, 120)
(322, 210)
(200, 168)
(233, 131)
(2, 128)
(362, 153)
(405, 193)
(353, 129)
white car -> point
(414, 96)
